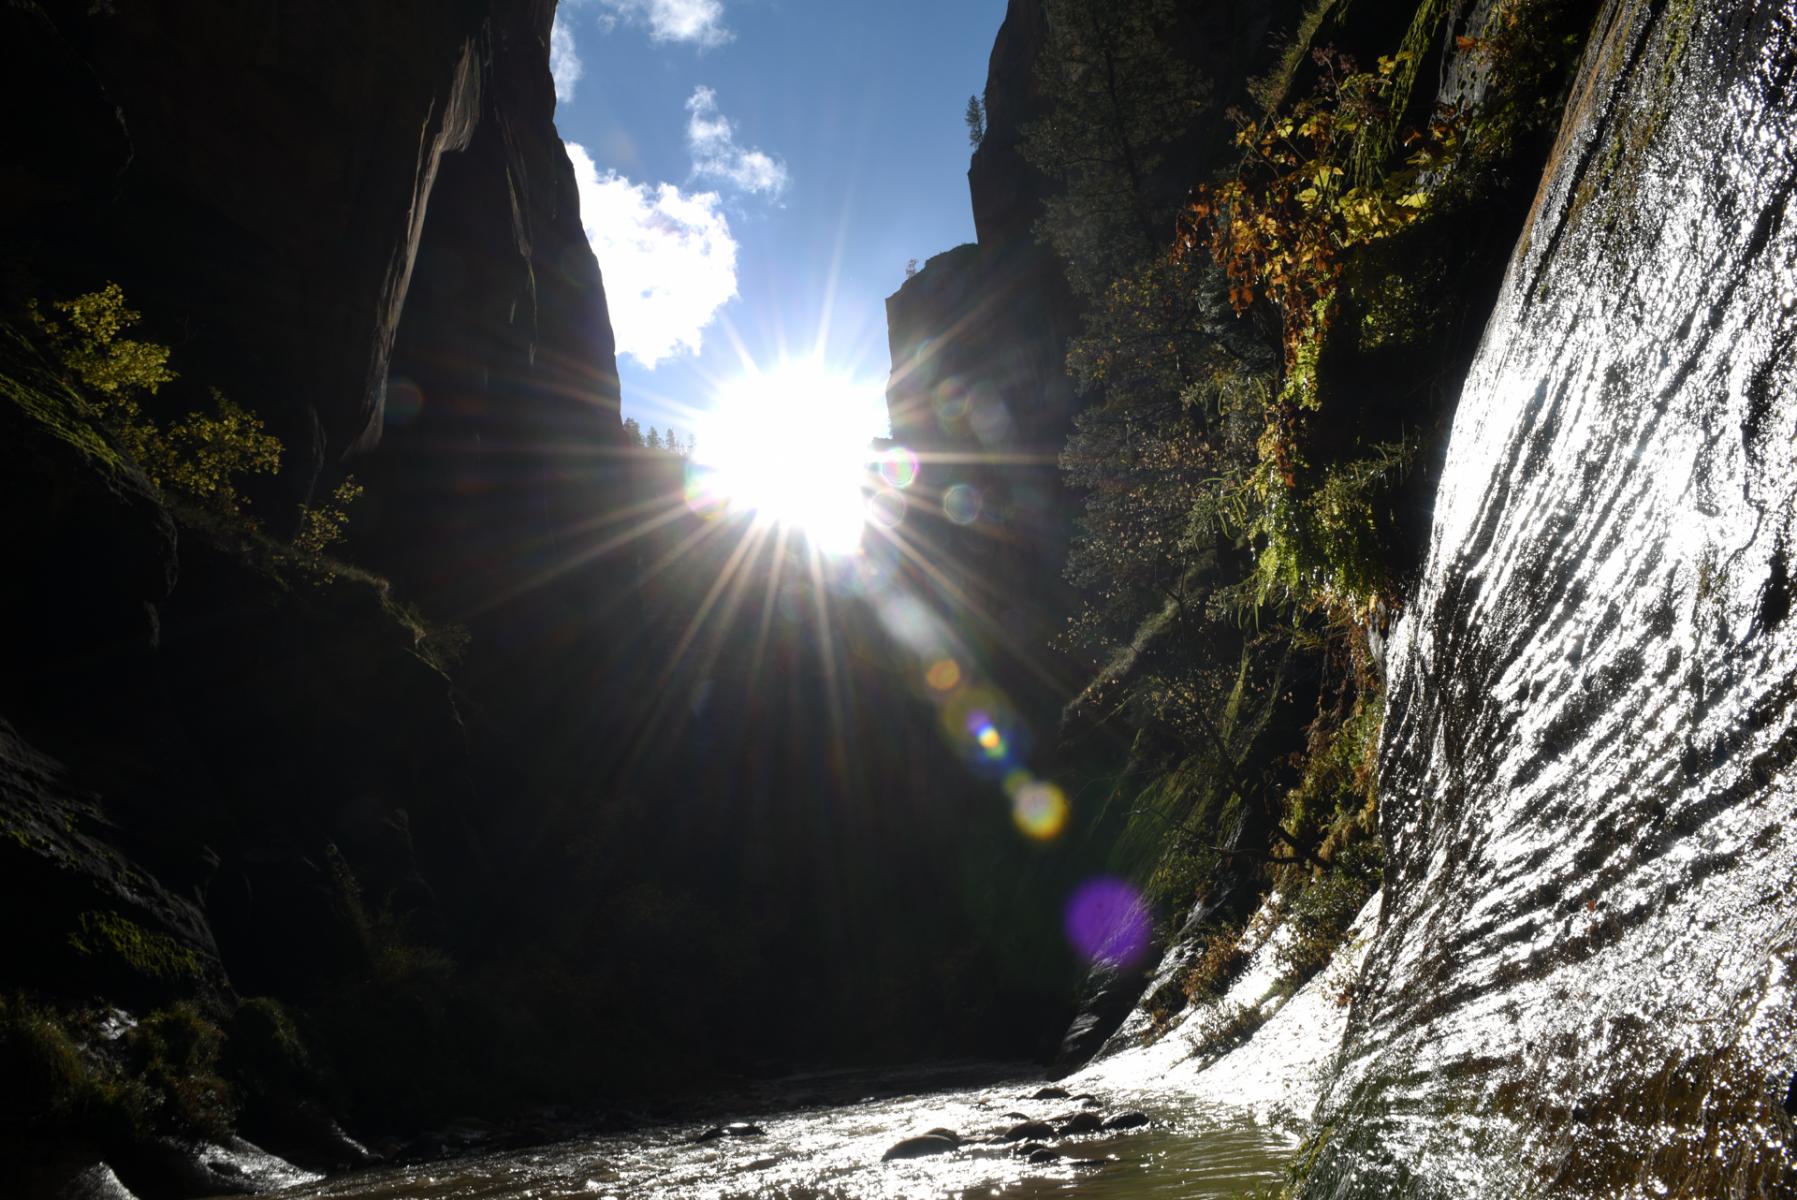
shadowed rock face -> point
(274, 239)
(500, 453)
(503, 422)
(268, 181)
(1581, 985)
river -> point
(1190, 1148)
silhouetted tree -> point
(976, 122)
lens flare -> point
(986, 735)
(1106, 921)
(858, 574)
(704, 497)
(898, 467)
(944, 675)
(961, 503)
(886, 509)
(983, 729)
(990, 419)
(404, 403)
(1040, 810)
(950, 401)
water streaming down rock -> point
(1582, 983)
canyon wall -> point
(1581, 981)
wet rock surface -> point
(1580, 984)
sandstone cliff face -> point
(1580, 984)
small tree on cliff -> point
(976, 122)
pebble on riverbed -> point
(1132, 1119)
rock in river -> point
(1028, 1129)
(1085, 1122)
(922, 1146)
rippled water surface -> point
(1190, 1150)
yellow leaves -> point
(197, 455)
(1389, 63)
(324, 525)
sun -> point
(791, 445)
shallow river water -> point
(1190, 1149)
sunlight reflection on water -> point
(833, 1153)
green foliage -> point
(1282, 229)
(1317, 919)
(324, 525)
(633, 433)
(1241, 484)
(118, 943)
(1334, 805)
(264, 1056)
(175, 1052)
(198, 456)
(119, 369)
(46, 1079)
(201, 455)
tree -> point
(633, 432)
(1119, 97)
(976, 122)
(654, 440)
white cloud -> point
(712, 139)
(668, 258)
(564, 61)
(697, 21)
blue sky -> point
(796, 153)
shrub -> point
(46, 1080)
(198, 456)
(322, 526)
(1219, 963)
(264, 1056)
(175, 1051)
(1317, 920)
